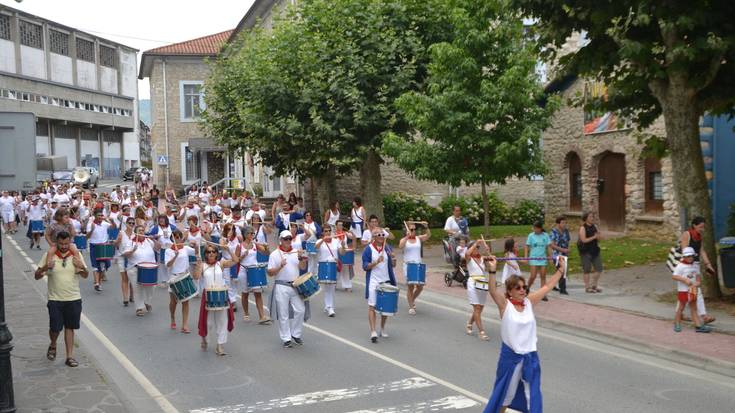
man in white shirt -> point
(97, 234)
(284, 264)
(7, 209)
(367, 235)
(455, 224)
(255, 210)
(378, 262)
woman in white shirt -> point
(328, 249)
(331, 216)
(518, 379)
(477, 286)
(411, 246)
(357, 215)
(141, 249)
(213, 275)
(247, 255)
(177, 262)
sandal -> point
(246, 318)
(51, 353)
(139, 313)
(71, 362)
(148, 308)
(173, 326)
(265, 321)
(469, 329)
(597, 290)
(220, 351)
(590, 290)
(185, 330)
(709, 319)
(204, 345)
(483, 336)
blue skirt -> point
(530, 373)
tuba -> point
(81, 175)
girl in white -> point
(213, 276)
(518, 380)
(124, 239)
(247, 255)
(357, 214)
(229, 244)
(312, 231)
(138, 250)
(193, 237)
(347, 272)
(510, 267)
(328, 249)
(411, 246)
(477, 280)
(331, 216)
(177, 262)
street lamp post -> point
(7, 401)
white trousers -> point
(287, 298)
(345, 276)
(515, 380)
(217, 324)
(328, 292)
(313, 264)
(143, 295)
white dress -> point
(411, 253)
(475, 296)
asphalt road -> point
(428, 364)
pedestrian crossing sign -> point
(162, 160)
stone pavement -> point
(41, 385)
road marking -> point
(446, 403)
(142, 380)
(322, 396)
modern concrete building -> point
(82, 89)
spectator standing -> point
(538, 246)
(560, 247)
(589, 252)
(692, 238)
(687, 277)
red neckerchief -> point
(380, 250)
(412, 237)
(63, 257)
(211, 262)
(96, 222)
(193, 230)
(139, 239)
(522, 303)
(341, 235)
(694, 234)
(190, 206)
(309, 220)
(281, 248)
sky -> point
(141, 24)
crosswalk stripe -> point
(446, 403)
(322, 396)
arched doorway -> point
(611, 190)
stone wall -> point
(215, 166)
(566, 136)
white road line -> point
(322, 396)
(142, 380)
(446, 403)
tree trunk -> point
(370, 185)
(485, 210)
(690, 184)
(326, 191)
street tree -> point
(478, 120)
(672, 58)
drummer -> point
(162, 232)
(36, 212)
(213, 276)
(411, 246)
(378, 264)
(97, 235)
(328, 249)
(124, 238)
(476, 295)
(177, 262)
(141, 249)
(284, 264)
(313, 232)
(247, 254)
(347, 272)
(229, 244)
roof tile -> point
(204, 46)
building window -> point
(4, 26)
(85, 50)
(654, 186)
(107, 57)
(31, 34)
(59, 42)
(189, 162)
(575, 182)
(192, 100)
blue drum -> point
(311, 247)
(234, 272)
(327, 272)
(415, 273)
(80, 241)
(37, 227)
(348, 258)
(307, 286)
(262, 258)
(112, 233)
(183, 287)
(386, 302)
(215, 238)
(257, 276)
(147, 273)
(217, 299)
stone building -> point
(82, 89)
(596, 164)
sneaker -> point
(97, 288)
(677, 328)
(545, 298)
(331, 312)
(384, 334)
(287, 344)
(298, 341)
(703, 329)
(374, 337)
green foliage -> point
(258, 189)
(400, 206)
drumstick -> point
(407, 228)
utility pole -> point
(7, 401)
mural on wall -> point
(598, 121)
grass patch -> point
(624, 252)
(496, 232)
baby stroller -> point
(459, 274)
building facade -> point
(81, 88)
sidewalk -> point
(627, 312)
(41, 385)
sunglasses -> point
(379, 235)
(519, 287)
(287, 238)
(210, 252)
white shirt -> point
(36, 212)
(7, 203)
(249, 215)
(358, 217)
(412, 251)
(213, 276)
(451, 225)
(62, 198)
(260, 236)
(165, 236)
(249, 256)
(518, 329)
(311, 226)
(328, 252)
(204, 196)
(144, 252)
(212, 208)
(475, 269)
(688, 271)
(367, 235)
(289, 272)
(333, 217)
(181, 264)
(379, 273)
(99, 234)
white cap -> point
(688, 252)
(284, 234)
